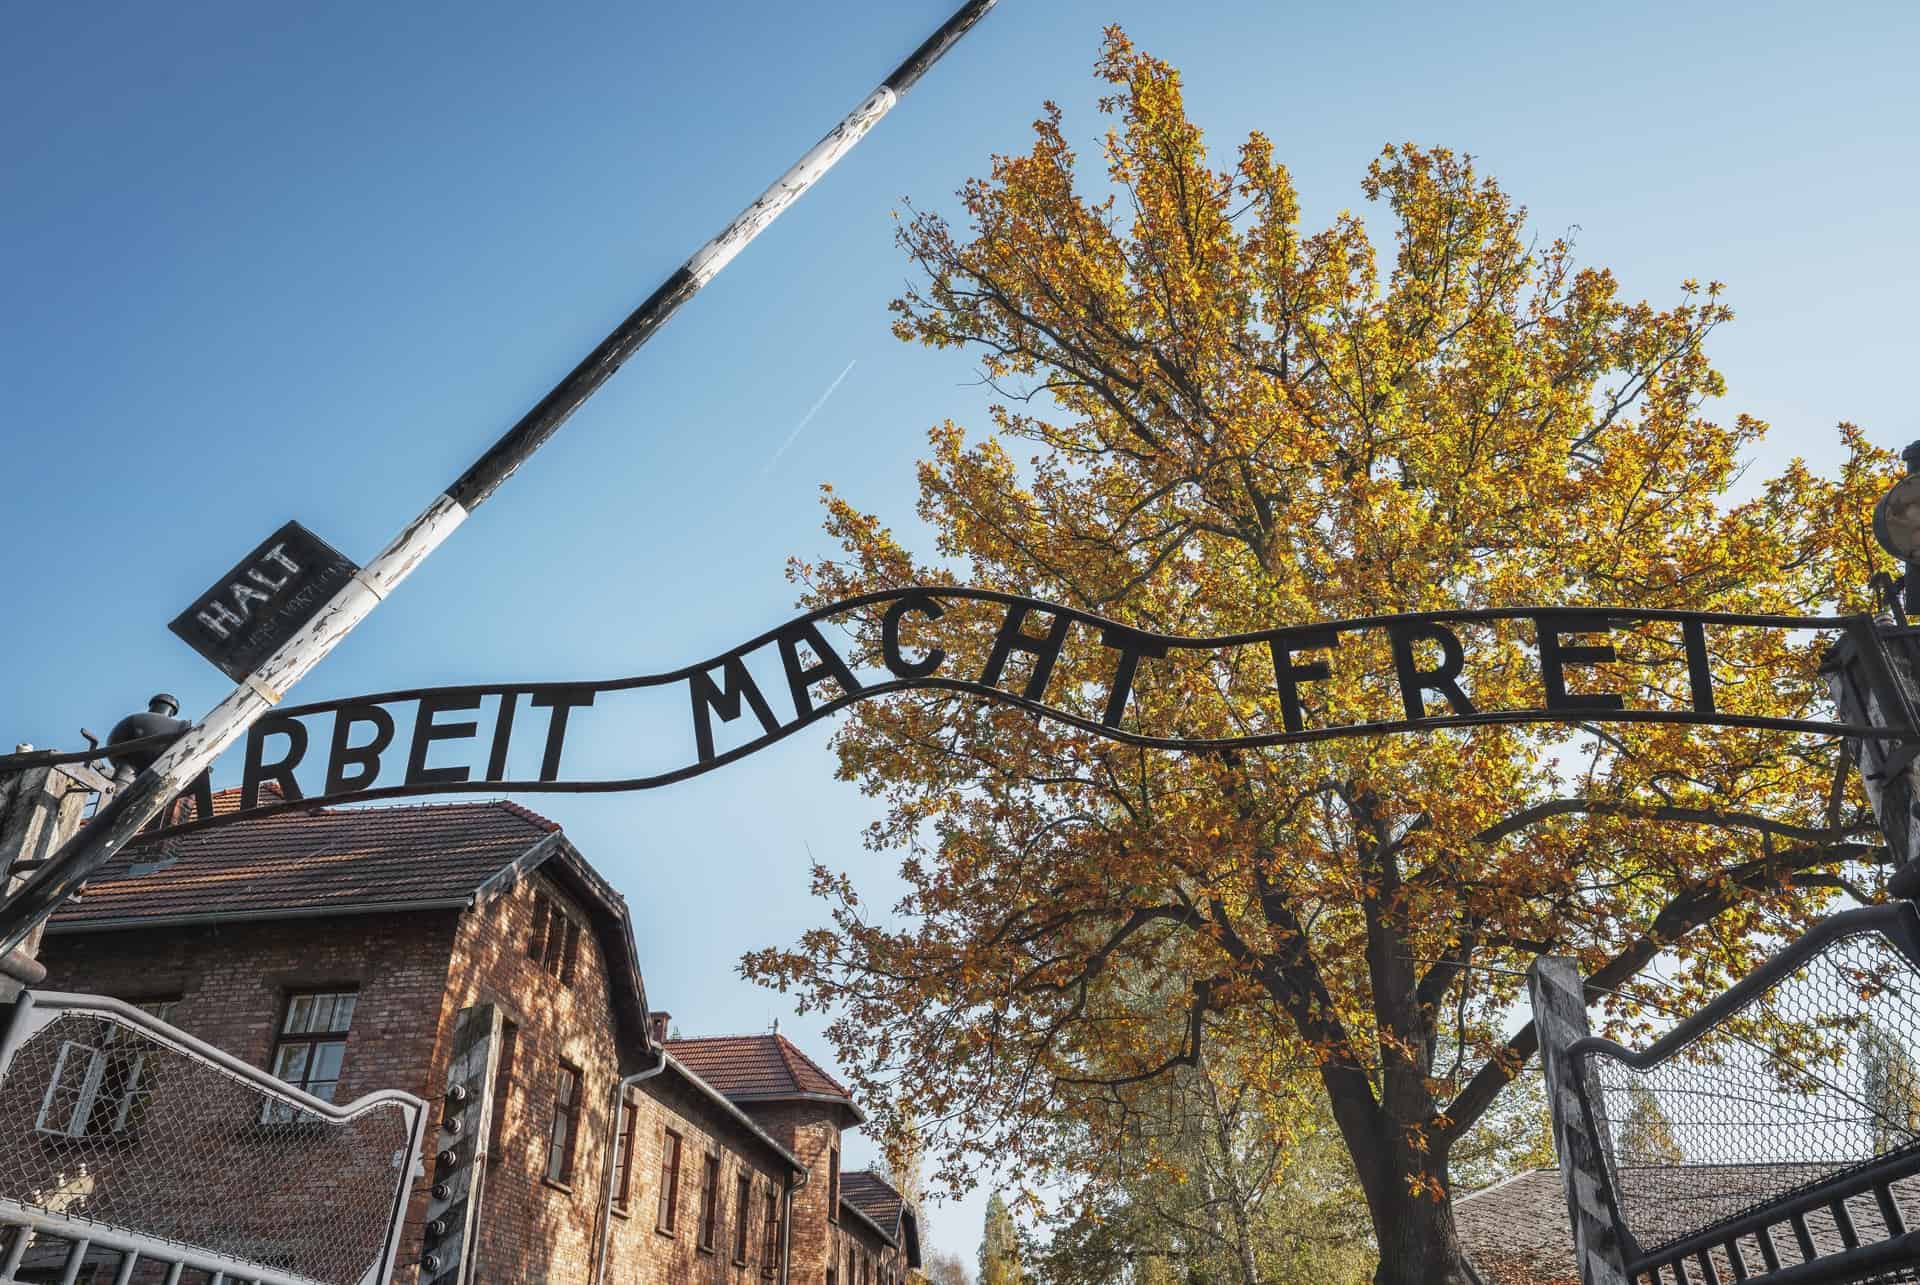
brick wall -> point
(414, 974)
(860, 1255)
(809, 1130)
(641, 1254)
(537, 1233)
(231, 982)
(533, 1231)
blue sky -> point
(270, 262)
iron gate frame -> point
(1588, 1162)
(26, 1221)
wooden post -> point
(40, 808)
(1560, 1018)
(457, 1160)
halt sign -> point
(267, 596)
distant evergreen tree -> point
(1891, 1085)
(1000, 1247)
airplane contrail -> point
(806, 419)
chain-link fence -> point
(1779, 1128)
(128, 1134)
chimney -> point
(661, 1021)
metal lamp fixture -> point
(158, 720)
(1896, 518)
(1896, 524)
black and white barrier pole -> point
(265, 684)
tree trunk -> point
(1419, 1244)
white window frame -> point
(89, 1096)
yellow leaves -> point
(1215, 419)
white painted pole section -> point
(264, 688)
(195, 751)
(789, 187)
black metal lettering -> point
(1045, 650)
(1416, 682)
(709, 699)
(202, 792)
(896, 663)
(1288, 676)
(1555, 656)
(827, 665)
(502, 736)
(426, 731)
(366, 758)
(1132, 645)
(1699, 672)
(563, 701)
(258, 770)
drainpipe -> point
(613, 1147)
(786, 1227)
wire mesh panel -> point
(119, 1130)
(1779, 1128)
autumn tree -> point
(1211, 419)
(1206, 1174)
(1229, 1170)
(946, 1269)
(902, 1160)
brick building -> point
(341, 949)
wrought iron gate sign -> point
(1421, 672)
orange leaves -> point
(1215, 419)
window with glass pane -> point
(566, 1119)
(770, 1252)
(669, 1183)
(742, 1197)
(709, 1201)
(312, 1046)
(623, 1180)
(554, 942)
(504, 1083)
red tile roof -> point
(874, 1197)
(757, 1068)
(330, 860)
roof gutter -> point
(786, 1226)
(852, 1107)
(741, 1117)
(613, 1163)
(856, 1211)
(56, 927)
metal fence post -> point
(1560, 1018)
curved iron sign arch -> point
(722, 689)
